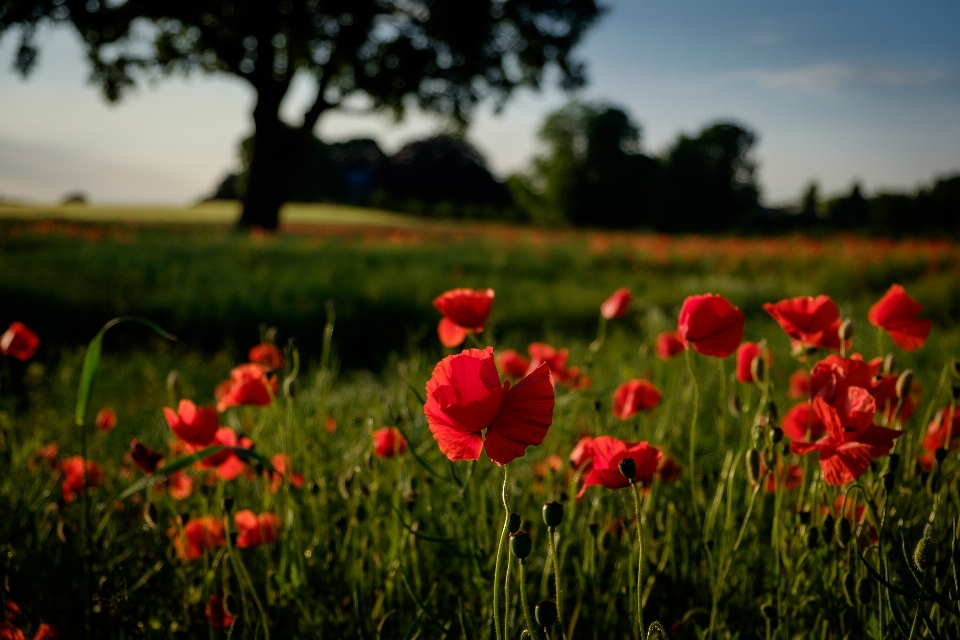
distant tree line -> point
(594, 173)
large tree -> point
(446, 55)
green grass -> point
(405, 548)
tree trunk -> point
(270, 170)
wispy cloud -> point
(834, 76)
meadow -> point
(367, 538)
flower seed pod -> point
(546, 613)
(889, 364)
(850, 588)
(940, 454)
(772, 413)
(777, 434)
(846, 329)
(845, 533)
(888, 481)
(753, 466)
(628, 467)
(813, 538)
(864, 591)
(925, 553)
(829, 526)
(521, 544)
(553, 514)
(905, 384)
(758, 369)
(513, 523)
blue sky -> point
(836, 91)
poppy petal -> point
(845, 463)
(450, 333)
(525, 415)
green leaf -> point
(169, 469)
(92, 360)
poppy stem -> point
(556, 575)
(496, 571)
(693, 424)
(636, 501)
(531, 629)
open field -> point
(406, 546)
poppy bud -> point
(290, 387)
(172, 379)
(850, 588)
(553, 514)
(769, 612)
(904, 384)
(845, 533)
(758, 370)
(813, 538)
(628, 468)
(228, 503)
(888, 481)
(546, 613)
(846, 329)
(925, 553)
(889, 364)
(184, 519)
(940, 454)
(777, 435)
(734, 406)
(772, 413)
(805, 516)
(829, 525)
(753, 466)
(864, 591)
(521, 544)
(894, 463)
(513, 523)
(594, 527)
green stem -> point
(916, 615)
(496, 571)
(693, 426)
(556, 576)
(636, 501)
(506, 598)
(531, 629)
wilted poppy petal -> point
(450, 333)
(525, 415)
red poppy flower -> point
(73, 477)
(616, 305)
(799, 385)
(800, 420)
(608, 452)
(144, 457)
(851, 439)
(248, 384)
(633, 396)
(669, 469)
(106, 419)
(896, 313)
(13, 610)
(194, 425)
(541, 352)
(464, 310)
(180, 485)
(711, 324)
(884, 390)
(512, 363)
(582, 452)
(387, 442)
(266, 355)
(228, 464)
(199, 535)
(46, 632)
(284, 471)
(48, 453)
(833, 375)
(464, 397)
(787, 477)
(217, 615)
(936, 436)
(668, 345)
(256, 530)
(10, 632)
(746, 353)
(19, 342)
(810, 322)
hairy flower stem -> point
(693, 426)
(923, 587)
(532, 629)
(496, 571)
(506, 598)
(556, 576)
(635, 489)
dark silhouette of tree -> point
(849, 212)
(445, 55)
(709, 181)
(810, 201)
(594, 173)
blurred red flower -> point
(786, 477)
(607, 454)
(809, 321)
(73, 477)
(19, 342)
(799, 385)
(9, 632)
(711, 324)
(228, 464)
(616, 305)
(255, 530)
(556, 360)
(266, 355)
(198, 536)
(936, 436)
(464, 310)
(851, 439)
(668, 345)
(284, 471)
(387, 442)
(106, 419)
(465, 397)
(144, 457)
(194, 425)
(13, 610)
(512, 363)
(550, 464)
(669, 469)
(582, 452)
(46, 632)
(248, 384)
(180, 485)
(800, 419)
(746, 353)
(896, 314)
(633, 396)
(217, 615)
